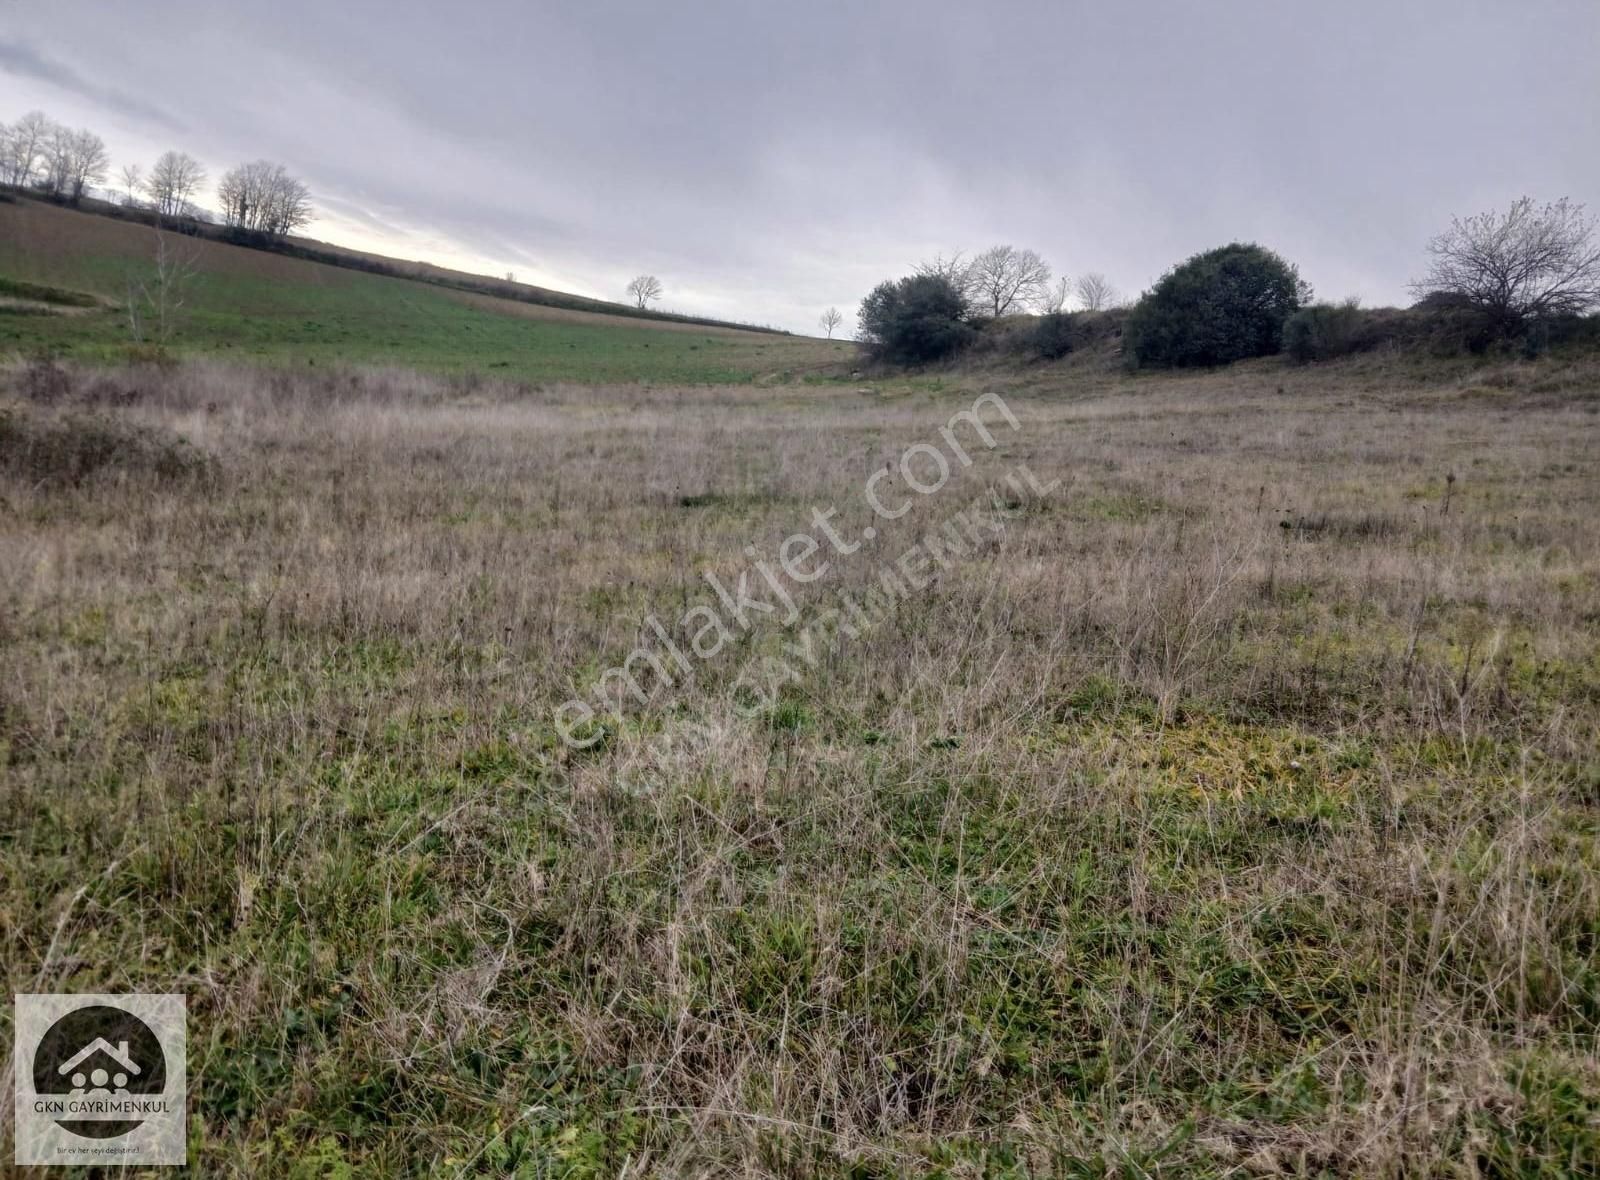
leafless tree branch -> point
(644, 289)
(1526, 263)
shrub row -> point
(1229, 304)
(1326, 331)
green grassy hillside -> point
(250, 305)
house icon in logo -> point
(99, 1077)
(100, 1068)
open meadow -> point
(1224, 799)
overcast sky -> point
(767, 161)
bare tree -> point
(87, 162)
(955, 270)
(240, 195)
(68, 161)
(643, 289)
(1526, 263)
(1006, 279)
(157, 299)
(130, 176)
(24, 146)
(1095, 292)
(830, 320)
(291, 207)
(173, 182)
(57, 154)
(263, 198)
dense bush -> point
(1325, 330)
(1437, 327)
(1091, 329)
(918, 318)
(1053, 335)
(1454, 323)
(1224, 305)
(1573, 331)
(1047, 337)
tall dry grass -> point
(1233, 810)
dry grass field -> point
(1232, 808)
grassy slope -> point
(1233, 812)
(257, 306)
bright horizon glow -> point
(766, 167)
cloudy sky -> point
(770, 160)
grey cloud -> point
(24, 62)
(775, 159)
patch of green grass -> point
(789, 716)
(246, 306)
(1550, 1128)
(1120, 507)
(376, 320)
(733, 502)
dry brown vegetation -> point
(1232, 811)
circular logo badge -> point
(93, 1059)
